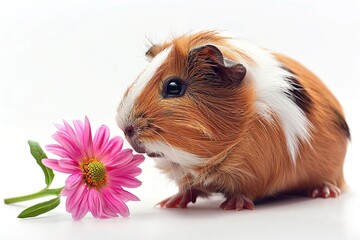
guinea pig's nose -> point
(129, 131)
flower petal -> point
(73, 196)
(68, 145)
(107, 213)
(81, 209)
(112, 147)
(76, 202)
(65, 192)
(60, 127)
(95, 203)
(54, 164)
(130, 171)
(138, 159)
(87, 139)
(125, 181)
(72, 135)
(122, 158)
(100, 139)
(70, 164)
(133, 171)
(73, 181)
(115, 204)
(57, 150)
(124, 195)
(79, 130)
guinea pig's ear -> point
(153, 51)
(231, 72)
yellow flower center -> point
(94, 173)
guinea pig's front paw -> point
(181, 199)
(324, 190)
(238, 203)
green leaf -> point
(40, 208)
(39, 154)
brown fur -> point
(243, 153)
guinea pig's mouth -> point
(140, 148)
(136, 145)
(155, 154)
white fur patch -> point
(271, 86)
(173, 170)
(173, 154)
(139, 85)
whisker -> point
(171, 164)
(183, 137)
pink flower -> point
(98, 170)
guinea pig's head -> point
(188, 105)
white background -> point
(66, 59)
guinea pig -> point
(222, 115)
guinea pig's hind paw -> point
(238, 203)
(325, 190)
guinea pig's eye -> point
(173, 87)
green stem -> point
(43, 193)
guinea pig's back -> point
(321, 158)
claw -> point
(238, 203)
(180, 200)
(324, 190)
